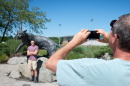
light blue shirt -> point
(93, 72)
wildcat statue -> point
(41, 41)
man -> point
(32, 62)
(96, 72)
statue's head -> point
(21, 34)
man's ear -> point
(25, 31)
(114, 40)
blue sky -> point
(74, 15)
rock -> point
(54, 78)
(7, 68)
(23, 68)
(6, 81)
(106, 56)
(15, 74)
(17, 60)
(44, 75)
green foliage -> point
(3, 58)
(96, 51)
(6, 38)
(76, 54)
(56, 40)
(78, 50)
(3, 48)
(89, 52)
(3, 51)
(7, 49)
(13, 44)
(16, 12)
(10, 47)
(42, 52)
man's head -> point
(120, 34)
(32, 42)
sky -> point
(74, 15)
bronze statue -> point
(41, 41)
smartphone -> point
(94, 35)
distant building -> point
(66, 39)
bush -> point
(3, 48)
(12, 46)
(42, 52)
(3, 57)
(76, 54)
(56, 40)
(89, 52)
(96, 51)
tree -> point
(15, 12)
(56, 39)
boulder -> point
(23, 68)
(44, 75)
(17, 60)
(7, 68)
(15, 74)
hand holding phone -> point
(94, 35)
(105, 35)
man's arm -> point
(62, 53)
(28, 53)
(33, 53)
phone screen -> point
(94, 35)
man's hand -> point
(81, 37)
(105, 36)
(32, 53)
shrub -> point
(96, 51)
(3, 57)
(3, 48)
(78, 50)
(76, 54)
(12, 46)
(42, 52)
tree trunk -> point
(4, 32)
(6, 27)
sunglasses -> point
(112, 23)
